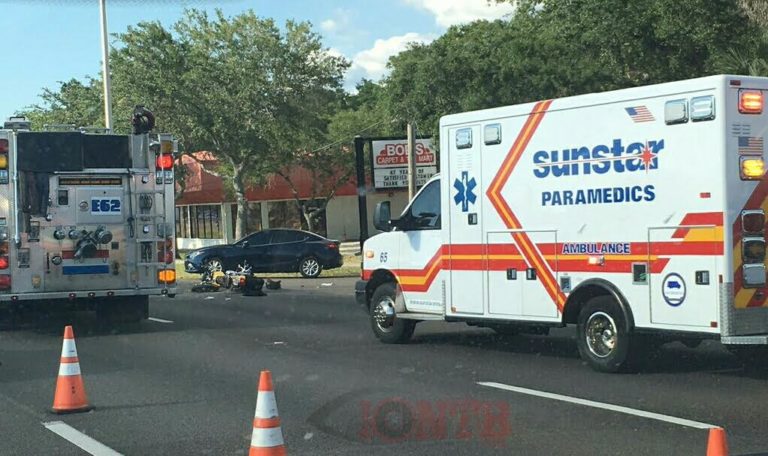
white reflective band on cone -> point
(68, 349)
(270, 437)
(69, 369)
(266, 406)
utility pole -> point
(411, 162)
(105, 66)
(362, 203)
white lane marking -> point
(76, 437)
(160, 320)
(600, 405)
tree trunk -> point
(308, 217)
(241, 224)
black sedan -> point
(276, 250)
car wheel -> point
(213, 264)
(385, 324)
(603, 340)
(309, 267)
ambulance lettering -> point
(600, 159)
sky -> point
(48, 41)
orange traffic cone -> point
(267, 438)
(717, 444)
(70, 392)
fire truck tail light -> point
(166, 276)
(3, 160)
(4, 262)
(5, 282)
(164, 162)
(752, 168)
(4, 146)
(750, 102)
(753, 221)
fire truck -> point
(86, 218)
(630, 214)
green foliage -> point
(557, 48)
(239, 87)
(77, 103)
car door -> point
(286, 250)
(255, 250)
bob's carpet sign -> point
(390, 162)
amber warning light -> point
(750, 102)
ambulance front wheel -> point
(387, 327)
(603, 339)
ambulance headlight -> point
(73, 234)
(59, 234)
(752, 168)
(56, 259)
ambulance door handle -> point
(530, 273)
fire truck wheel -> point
(603, 340)
(385, 324)
(310, 268)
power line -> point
(352, 134)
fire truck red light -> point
(705, 195)
(3, 262)
(164, 162)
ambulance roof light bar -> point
(17, 123)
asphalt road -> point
(188, 386)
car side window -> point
(260, 238)
(424, 213)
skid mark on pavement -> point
(600, 405)
(79, 439)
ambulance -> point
(87, 218)
(633, 213)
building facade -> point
(206, 210)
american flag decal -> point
(640, 114)
(750, 145)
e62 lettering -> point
(105, 206)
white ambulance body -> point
(627, 212)
(86, 220)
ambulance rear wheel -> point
(603, 340)
(387, 327)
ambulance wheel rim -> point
(381, 316)
(601, 334)
(310, 267)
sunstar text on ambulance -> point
(614, 157)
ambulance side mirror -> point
(382, 216)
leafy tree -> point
(332, 165)
(557, 48)
(77, 103)
(240, 88)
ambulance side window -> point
(424, 213)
